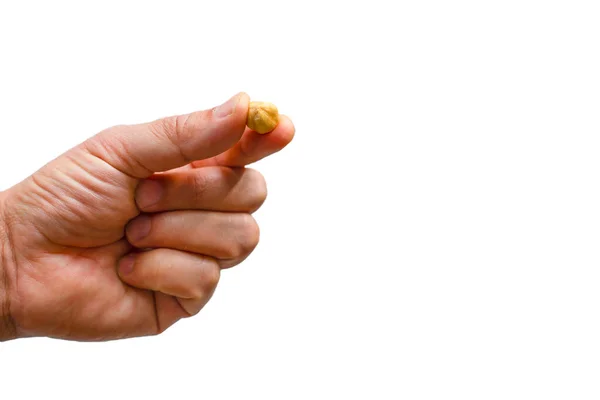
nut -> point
(262, 117)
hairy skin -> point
(65, 231)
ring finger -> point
(224, 236)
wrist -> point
(7, 326)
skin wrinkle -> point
(68, 209)
(102, 148)
(244, 151)
(75, 186)
(98, 191)
(88, 150)
(71, 186)
(171, 127)
(106, 181)
(179, 300)
(45, 195)
(127, 154)
(200, 185)
(181, 125)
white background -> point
(433, 232)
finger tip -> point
(233, 126)
(241, 111)
(126, 265)
(285, 131)
(275, 140)
(242, 104)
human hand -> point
(127, 233)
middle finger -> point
(221, 235)
(208, 188)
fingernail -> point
(126, 264)
(148, 193)
(227, 108)
(139, 228)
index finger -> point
(253, 147)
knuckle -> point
(248, 235)
(177, 132)
(111, 143)
(183, 132)
(207, 280)
(165, 127)
(195, 291)
(140, 229)
(258, 193)
(242, 237)
(211, 276)
(200, 183)
(230, 263)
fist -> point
(128, 232)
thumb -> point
(161, 145)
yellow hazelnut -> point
(262, 117)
